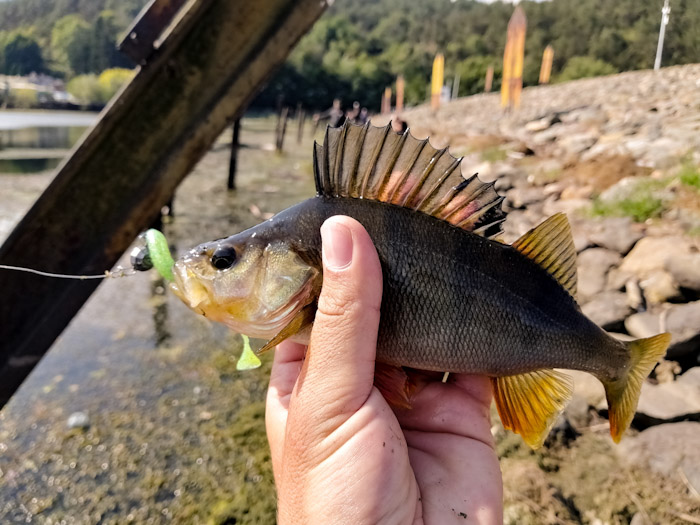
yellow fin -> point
(623, 394)
(300, 321)
(551, 246)
(530, 403)
(248, 359)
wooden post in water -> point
(488, 83)
(513, 60)
(233, 162)
(146, 141)
(282, 127)
(546, 69)
(437, 81)
(301, 117)
(400, 86)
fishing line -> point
(155, 254)
(119, 272)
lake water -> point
(37, 141)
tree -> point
(581, 67)
(22, 55)
(70, 44)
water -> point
(37, 141)
(175, 434)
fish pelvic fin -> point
(551, 246)
(623, 394)
(305, 317)
(529, 404)
(394, 384)
(376, 163)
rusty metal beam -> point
(138, 43)
(207, 69)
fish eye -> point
(224, 257)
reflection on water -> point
(37, 141)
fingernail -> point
(337, 245)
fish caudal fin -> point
(530, 403)
(623, 394)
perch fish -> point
(456, 299)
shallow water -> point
(176, 435)
(36, 141)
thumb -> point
(338, 372)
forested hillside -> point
(359, 46)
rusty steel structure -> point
(201, 63)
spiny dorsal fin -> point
(376, 163)
(530, 403)
(551, 246)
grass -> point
(690, 175)
(494, 154)
(641, 204)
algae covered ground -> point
(176, 435)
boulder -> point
(666, 449)
(608, 309)
(685, 269)
(593, 266)
(651, 253)
(660, 287)
(674, 400)
(681, 320)
(619, 234)
(578, 142)
(523, 196)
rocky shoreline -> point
(620, 156)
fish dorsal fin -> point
(529, 404)
(551, 246)
(376, 163)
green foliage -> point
(640, 204)
(21, 55)
(582, 67)
(23, 98)
(70, 44)
(93, 90)
(690, 175)
(85, 89)
(111, 80)
(472, 73)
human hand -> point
(339, 452)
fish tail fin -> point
(623, 394)
(530, 403)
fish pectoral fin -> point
(394, 384)
(301, 320)
(623, 394)
(530, 403)
(551, 246)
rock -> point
(663, 153)
(593, 266)
(666, 449)
(651, 253)
(608, 310)
(640, 519)
(578, 142)
(617, 279)
(681, 320)
(587, 387)
(619, 234)
(524, 196)
(568, 206)
(577, 192)
(543, 123)
(674, 400)
(660, 287)
(624, 189)
(633, 292)
(685, 269)
(78, 420)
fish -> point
(455, 299)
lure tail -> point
(623, 394)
